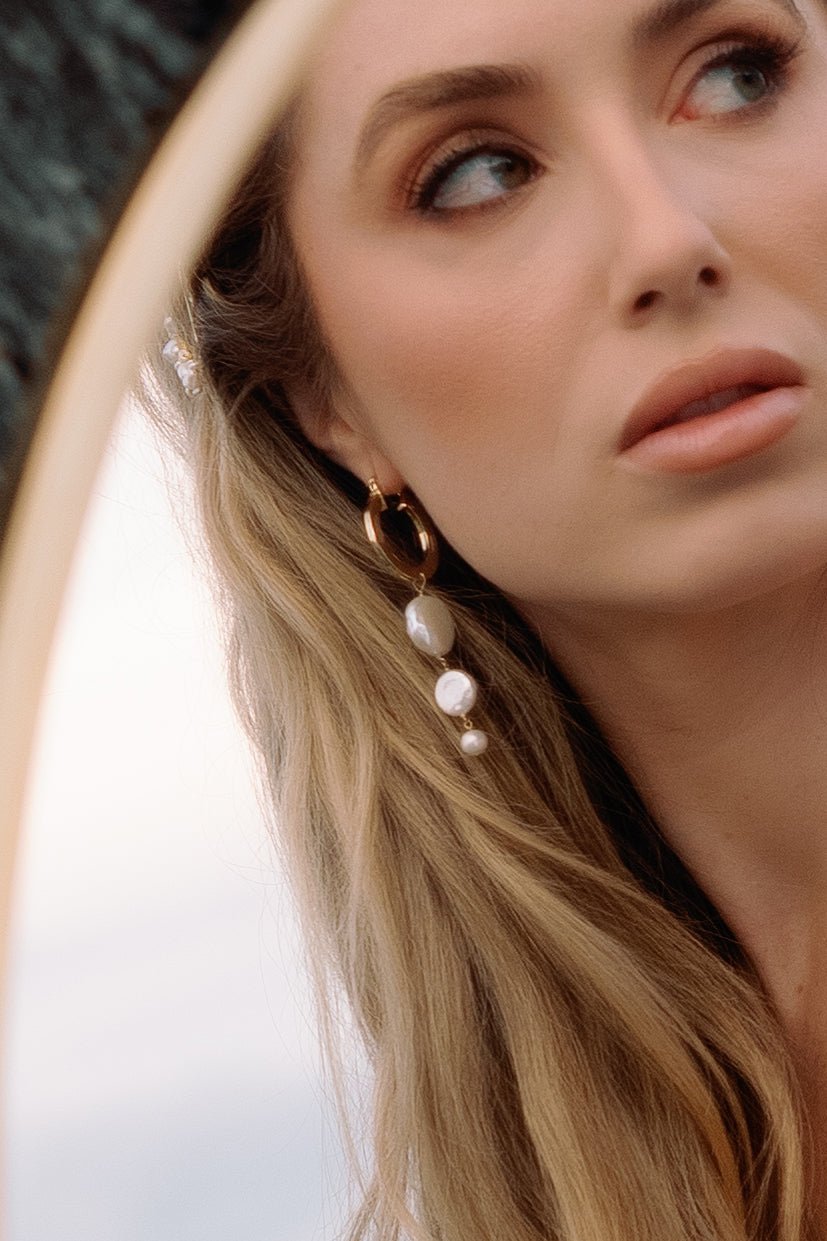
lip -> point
(698, 380)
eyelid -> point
(783, 47)
(460, 145)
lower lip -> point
(712, 440)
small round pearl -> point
(474, 741)
(430, 625)
(456, 692)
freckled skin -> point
(490, 360)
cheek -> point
(799, 255)
(777, 210)
(464, 374)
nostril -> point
(709, 277)
(646, 300)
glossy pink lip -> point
(664, 402)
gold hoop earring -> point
(426, 535)
(428, 621)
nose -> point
(667, 260)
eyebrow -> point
(668, 15)
(442, 89)
(449, 87)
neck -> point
(721, 721)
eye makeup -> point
(480, 170)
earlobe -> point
(336, 435)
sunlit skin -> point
(633, 205)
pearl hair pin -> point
(428, 621)
(178, 353)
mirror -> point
(215, 69)
(578, 922)
(161, 1070)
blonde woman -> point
(541, 289)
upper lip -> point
(698, 380)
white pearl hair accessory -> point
(178, 353)
(428, 621)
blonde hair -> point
(567, 1040)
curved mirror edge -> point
(89, 377)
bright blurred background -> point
(162, 1080)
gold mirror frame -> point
(159, 235)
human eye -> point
(743, 76)
(470, 174)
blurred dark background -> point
(87, 88)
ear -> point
(337, 434)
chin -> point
(732, 537)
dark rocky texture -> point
(86, 89)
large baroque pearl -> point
(430, 625)
(456, 692)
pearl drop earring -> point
(428, 621)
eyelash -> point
(427, 184)
(768, 52)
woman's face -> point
(516, 219)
